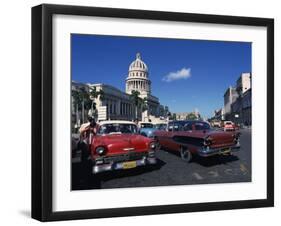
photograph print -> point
(159, 112)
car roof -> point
(116, 122)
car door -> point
(177, 129)
(163, 135)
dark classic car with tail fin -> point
(197, 138)
(117, 145)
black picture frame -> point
(42, 111)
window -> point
(178, 126)
(187, 127)
(201, 126)
(170, 126)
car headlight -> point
(100, 150)
(153, 145)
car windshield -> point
(117, 128)
(160, 126)
(146, 125)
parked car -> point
(148, 129)
(160, 126)
(197, 138)
(145, 125)
(216, 124)
(228, 126)
(117, 145)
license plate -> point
(129, 165)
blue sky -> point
(185, 74)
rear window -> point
(188, 125)
(201, 126)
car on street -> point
(228, 126)
(148, 129)
(118, 145)
(216, 124)
(160, 126)
(191, 138)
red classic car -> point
(117, 145)
(196, 138)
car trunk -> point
(221, 139)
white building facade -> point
(238, 101)
(230, 97)
(115, 104)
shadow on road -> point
(82, 178)
(215, 160)
(208, 161)
(131, 172)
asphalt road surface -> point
(172, 170)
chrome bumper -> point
(206, 151)
(98, 168)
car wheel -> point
(185, 154)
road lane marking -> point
(197, 176)
(213, 173)
(229, 172)
(243, 168)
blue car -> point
(147, 129)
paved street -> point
(171, 170)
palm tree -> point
(76, 102)
(143, 104)
(85, 101)
(138, 102)
(191, 116)
(93, 95)
(135, 98)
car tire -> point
(185, 154)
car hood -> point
(122, 143)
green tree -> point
(76, 103)
(85, 101)
(138, 102)
(93, 94)
(191, 116)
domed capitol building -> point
(118, 105)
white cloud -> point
(183, 73)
